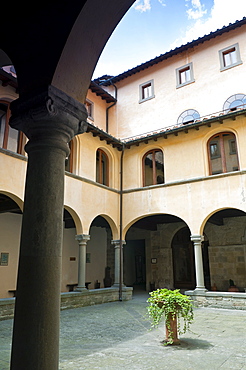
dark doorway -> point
(134, 263)
(183, 260)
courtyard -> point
(117, 335)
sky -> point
(152, 27)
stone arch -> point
(214, 212)
(100, 250)
(147, 254)
(4, 59)
(76, 219)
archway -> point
(226, 242)
(183, 260)
(148, 254)
(10, 228)
(100, 254)
(69, 254)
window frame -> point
(188, 112)
(182, 69)
(21, 138)
(154, 177)
(222, 155)
(99, 177)
(90, 103)
(146, 84)
(226, 51)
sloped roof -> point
(171, 53)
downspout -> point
(121, 219)
(107, 109)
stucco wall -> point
(206, 95)
(10, 225)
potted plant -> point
(232, 286)
(173, 306)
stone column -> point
(82, 239)
(118, 262)
(49, 119)
(197, 240)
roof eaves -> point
(175, 129)
(99, 91)
(111, 140)
(175, 51)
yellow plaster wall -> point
(99, 108)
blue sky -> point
(152, 27)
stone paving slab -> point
(117, 335)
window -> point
(90, 109)
(153, 168)
(10, 138)
(222, 151)
(102, 168)
(188, 116)
(234, 102)
(229, 57)
(146, 91)
(184, 75)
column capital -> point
(116, 243)
(197, 238)
(82, 238)
(50, 117)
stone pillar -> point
(49, 119)
(197, 240)
(118, 263)
(82, 239)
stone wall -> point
(227, 300)
(73, 299)
(227, 253)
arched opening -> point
(69, 253)
(226, 245)
(183, 260)
(100, 254)
(10, 228)
(148, 259)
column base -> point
(117, 285)
(200, 290)
(80, 289)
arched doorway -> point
(226, 244)
(183, 260)
(10, 228)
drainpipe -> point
(115, 88)
(121, 217)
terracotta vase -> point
(233, 288)
(172, 331)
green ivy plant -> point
(170, 304)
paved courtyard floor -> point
(117, 335)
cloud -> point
(197, 11)
(222, 13)
(162, 2)
(142, 5)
